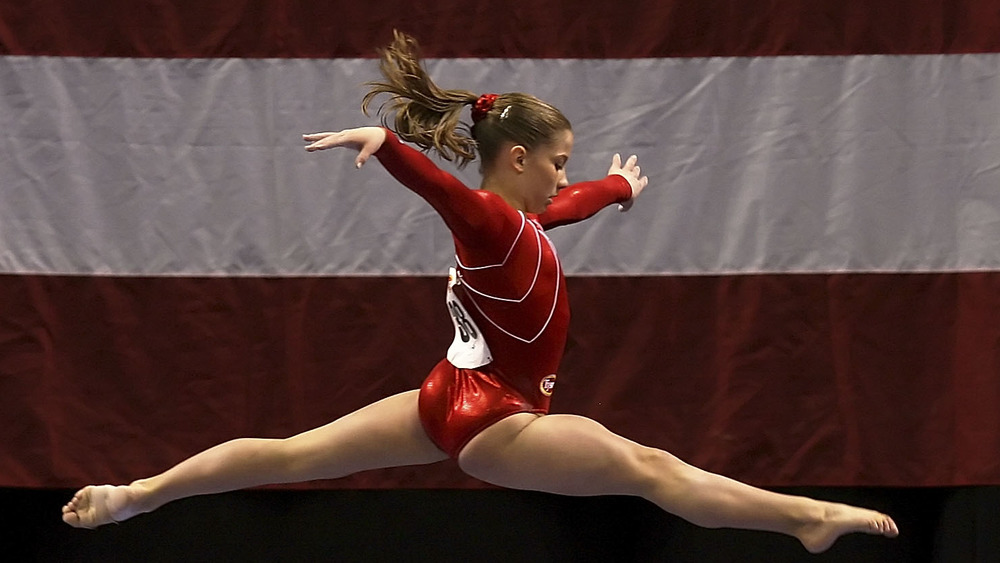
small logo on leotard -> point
(548, 384)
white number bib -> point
(469, 349)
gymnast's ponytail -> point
(430, 117)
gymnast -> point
(486, 404)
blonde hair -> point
(430, 117)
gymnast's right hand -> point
(365, 140)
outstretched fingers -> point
(365, 140)
(314, 137)
(631, 171)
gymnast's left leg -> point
(573, 455)
(387, 433)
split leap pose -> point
(486, 405)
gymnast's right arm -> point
(466, 212)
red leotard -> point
(511, 284)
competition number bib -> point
(468, 350)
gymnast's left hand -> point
(630, 171)
(365, 140)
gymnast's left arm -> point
(580, 201)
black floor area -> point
(941, 525)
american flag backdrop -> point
(808, 293)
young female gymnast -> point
(486, 405)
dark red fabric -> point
(855, 380)
(463, 28)
(845, 379)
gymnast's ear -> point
(516, 156)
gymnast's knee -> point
(654, 469)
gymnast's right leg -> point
(573, 455)
(387, 433)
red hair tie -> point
(483, 106)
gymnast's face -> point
(543, 171)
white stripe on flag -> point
(788, 164)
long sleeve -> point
(469, 214)
(581, 201)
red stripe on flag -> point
(460, 28)
(783, 380)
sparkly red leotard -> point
(512, 286)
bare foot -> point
(95, 506)
(840, 519)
